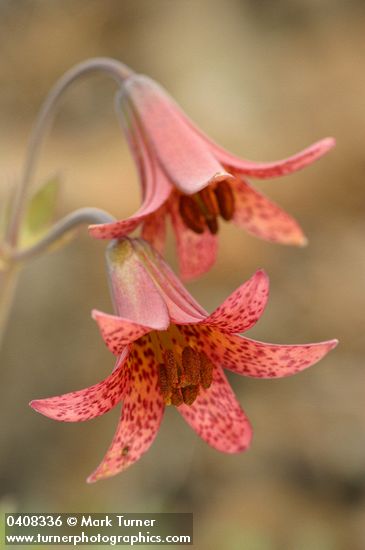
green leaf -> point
(40, 212)
(41, 209)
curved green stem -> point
(60, 229)
(13, 258)
(117, 70)
(9, 275)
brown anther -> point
(206, 371)
(171, 368)
(190, 393)
(163, 381)
(209, 201)
(191, 366)
(125, 451)
(191, 214)
(176, 397)
(212, 224)
(225, 199)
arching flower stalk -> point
(13, 212)
(171, 352)
(195, 181)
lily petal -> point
(136, 296)
(141, 415)
(82, 405)
(258, 359)
(263, 170)
(156, 188)
(118, 332)
(266, 170)
(260, 170)
(217, 417)
(196, 252)
(120, 228)
(181, 306)
(243, 308)
(263, 218)
(154, 230)
(184, 157)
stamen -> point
(182, 370)
(225, 198)
(171, 368)
(191, 214)
(191, 366)
(212, 224)
(176, 397)
(206, 371)
(209, 201)
(163, 381)
(190, 393)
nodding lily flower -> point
(171, 352)
(184, 174)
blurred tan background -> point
(264, 79)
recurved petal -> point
(81, 405)
(217, 417)
(118, 332)
(152, 203)
(243, 308)
(141, 414)
(265, 170)
(121, 228)
(263, 218)
(262, 170)
(115, 229)
(196, 252)
(258, 359)
(184, 156)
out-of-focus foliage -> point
(40, 212)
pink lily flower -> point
(187, 176)
(171, 352)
